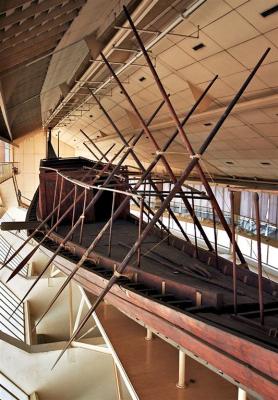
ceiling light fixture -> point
(142, 79)
(265, 163)
(269, 11)
(229, 162)
(207, 123)
(198, 46)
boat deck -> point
(164, 260)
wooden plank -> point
(42, 18)
(29, 12)
(30, 56)
(25, 48)
(18, 225)
(40, 29)
(10, 4)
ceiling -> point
(231, 37)
(33, 34)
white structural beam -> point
(241, 394)
(120, 367)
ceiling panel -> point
(251, 12)
(224, 33)
(249, 52)
(222, 64)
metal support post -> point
(241, 394)
(181, 382)
(149, 335)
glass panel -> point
(273, 256)
(223, 239)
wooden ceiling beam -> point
(40, 29)
(29, 54)
(29, 12)
(32, 41)
(30, 23)
(10, 4)
(13, 52)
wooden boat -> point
(184, 297)
(217, 310)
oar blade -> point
(22, 264)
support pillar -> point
(181, 383)
(149, 334)
(241, 394)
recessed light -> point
(229, 162)
(91, 116)
(143, 78)
(198, 46)
(265, 163)
(208, 124)
(269, 11)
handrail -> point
(91, 187)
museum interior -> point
(139, 199)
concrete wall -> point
(7, 196)
(80, 374)
(30, 150)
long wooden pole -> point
(96, 197)
(163, 158)
(234, 252)
(136, 159)
(44, 222)
(111, 226)
(159, 212)
(137, 186)
(182, 132)
(259, 256)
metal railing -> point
(246, 224)
(12, 324)
(9, 390)
(5, 251)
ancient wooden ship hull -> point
(185, 297)
(216, 309)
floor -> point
(152, 366)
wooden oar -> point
(167, 201)
(43, 223)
